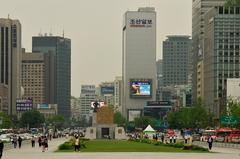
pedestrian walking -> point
(210, 142)
(15, 141)
(77, 144)
(19, 142)
(174, 139)
(44, 143)
(1, 148)
(40, 141)
(162, 138)
(33, 141)
(171, 139)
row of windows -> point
(229, 10)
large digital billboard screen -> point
(141, 88)
(24, 104)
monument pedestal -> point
(103, 126)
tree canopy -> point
(57, 120)
(194, 117)
(232, 3)
(32, 119)
(5, 121)
(119, 119)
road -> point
(27, 152)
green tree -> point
(231, 3)
(194, 117)
(5, 121)
(32, 119)
(119, 119)
(58, 121)
(232, 109)
(143, 122)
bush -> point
(195, 147)
(187, 147)
(198, 148)
(66, 146)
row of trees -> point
(32, 119)
(194, 117)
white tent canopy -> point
(149, 129)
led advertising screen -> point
(24, 104)
(141, 88)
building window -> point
(225, 10)
(237, 10)
(220, 10)
(231, 10)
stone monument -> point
(105, 127)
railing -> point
(219, 144)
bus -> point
(223, 134)
(207, 133)
(234, 136)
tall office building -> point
(107, 92)
(10, 60)
(176, 56)
(159, 64)
(199, 9)
(221, 57)
(60, 47)
(139, 61)
(38, 77)
(75, 108)
(88, 95)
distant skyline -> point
(95, 29)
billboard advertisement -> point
(107, 90)
(141, 88)
(24, 104)
(43, 106)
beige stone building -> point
(37, 77)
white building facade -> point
(139, 60)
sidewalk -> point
(215, 148)
(27, 152)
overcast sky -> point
(94, 26)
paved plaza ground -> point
(27, 152)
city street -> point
(35, 153)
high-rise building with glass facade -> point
(176, 57)
(221, 55)
(199, 9)
(61, 48)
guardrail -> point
(219, 144)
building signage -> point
(24, 104)
(142, 23)
(158, 103)
(107, 90)
(43, 106)
(229, 120)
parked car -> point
(6, 137)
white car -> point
(5, 137)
